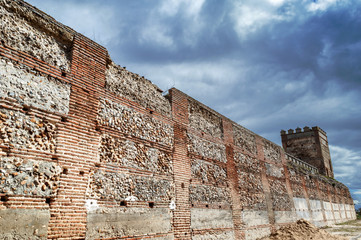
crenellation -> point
(310, 146)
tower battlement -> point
(309, 145)
(304, 130)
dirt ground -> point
(303, 230)
(351, 230)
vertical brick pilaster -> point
(306, 196)
(181, 166)
(233, 180)
(77, 140)
(287, 176)
(319, 197)
(266, 187)
(331, 202)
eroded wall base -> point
(24, 223)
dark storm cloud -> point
(266, 64)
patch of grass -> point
(348, 230)
(352, 222)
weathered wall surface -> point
(90, 150)
(24, 223)
(22, 35)
(136, 88)
(110, 223)
(29, 88)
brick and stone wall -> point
(89, 150)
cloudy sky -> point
(266, 64)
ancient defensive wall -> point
(91, 150)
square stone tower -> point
(309, 145)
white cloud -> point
(276, 2)
(159, 25)
(322, 5)
(248, 19)
(356, 202)
(205, 81)
(250, 16)
(156, 33)
(189, 7)
(346, 165)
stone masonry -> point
(90, 150)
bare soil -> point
(351, 229)
(304, 230)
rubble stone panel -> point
(119, 186)
(206, 148)
(272, 151)
(134, 123)
(17, 33)
(135, 155)
(253, 200)
(295, 176)
(28, 88)
(132, 86)
(208, 172)
(28, 177)
(244, 139)
(274, 171)
(245, 162)
(279, 195)
(250, 182)
(208, 194)
(311, 188)
(297, 190)
(23, 131)
(204, 120)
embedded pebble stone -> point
(136, 88)
(28, 177)
(23, 131)
(47, 93)
(134, 123)
(135, 155)
(19, 34)
(204, 120)
(205, 148)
